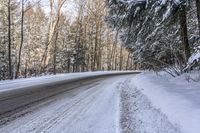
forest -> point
(40, 37)
(162, 35)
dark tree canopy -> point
(152, 30)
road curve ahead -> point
(86, 105)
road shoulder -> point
(137, 115)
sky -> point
(69, 7)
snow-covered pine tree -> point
(154, 30)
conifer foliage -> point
(159, 33)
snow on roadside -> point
(138, 115)
(174, 97)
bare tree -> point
(9, 39)
(53, 27)
(22, 38)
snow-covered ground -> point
(176, 98)
(145, 103)
(139, 116)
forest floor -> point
(145, 103)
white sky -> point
(69, 7)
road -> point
(84, 106)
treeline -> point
(36, 41)
(162, 34)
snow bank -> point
(139, 116)
(195, 56)
(178, 99)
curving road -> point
(86, 105)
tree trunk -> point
(113, 53)
(9, 41)
(116, 64)
(53, 26)
(131, 64)
(121, 58)
(22, 40)
(108, 50)
(127, 61)
(184, 33)
(96, 47)
(25, 73)
(55, 53)
(99, 57)
(198, 13)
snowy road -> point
(88, 107)
(96, 105)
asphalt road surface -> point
(86, 105)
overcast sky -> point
(69, 7)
